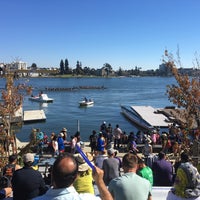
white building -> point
(18, 65)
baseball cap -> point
(111, 151)
(29, 157)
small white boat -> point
(43, 98)
(86, 103)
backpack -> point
(193, 188)
(9, 170)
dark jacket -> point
(27, 183)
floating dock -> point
(150, 115)
(34, 116)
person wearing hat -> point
(147, 149)
(110, 166)
(84, 180)
(103, 127)
(61, 143)
(64, 133)
(27, 183)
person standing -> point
(93, 141)
(61, 144)
(103, 127)
(162, 168)
(109, 128)
(131, 137)
(110, 167)
(101, 143)
(27, 183)
(133, 147)
(147, 149)
(99, 158)
(40, 141)
(117, 135)
(64, 132)
(144, 171)
(109, 136)
(55, 145)
(65, 171)
(130, 185)
(75, 140)
(73, 144)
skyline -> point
(124, 34)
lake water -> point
(65, 110)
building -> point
(18, 65)
(164, 70)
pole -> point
(78, 126)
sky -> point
(123, 33)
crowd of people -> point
(55, 143)
(130, 177)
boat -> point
(134, 117)
(86, 102)
(43, 98)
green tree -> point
(62, 70)
(66, 66)
(79, 69)
(186, 93)
(120, 72)
(108, 68)
(86, 70)
(137, 70)
(33, 66)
